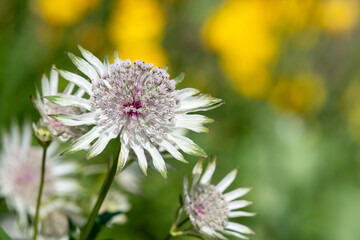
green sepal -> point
(179, 78)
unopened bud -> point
(42, 134)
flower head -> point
(54, 219)
(138, 103)
(46, 108)
(20, 171)
(209, 209)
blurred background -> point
(287, 69)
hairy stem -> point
(40, 192)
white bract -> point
(138, 103)
(209, 208)
(20, 171)
(46, 108)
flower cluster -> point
(138, 103)
(46, 108)
(20, 171)
(135, 102)
(209, 208)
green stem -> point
(104, 190)
(40, 192)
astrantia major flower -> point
(20, 171)
(209, 208)
(54, 219)
(46, 108)
(138, 103)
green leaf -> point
(3, 235)
(100, 222)
(72, 230)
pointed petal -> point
(84, 67)
(15, 135)
(26, 137)
(69, 101)
(117, 59)
(185, 186)
(76, 120)
(238, 204)
(84, 140)
(79, 93)
(186, 145)
(54, 81)
(107, 63)
(207, 231)
(179, 78)
(94, 61)
(38, 102)
(158, 161)
(187, 92)
(196, 172)
(236, 194)
(172, 150)
(239, 228)
(238, 235)
(139, 151)
(77, 80)
(226, 181)
(220, 236)
(101, 143)
(206, 178)
(193, 122)
(45, 85)
(69, 88)
(197, 103)
(124, 152)
(240, 214)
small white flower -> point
(20, 171)
(139, 104)
(46, 108)
(54, 223)
(209, 209)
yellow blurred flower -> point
(351, 108)
(241, 33)
(136, 29)
(253, 83)
(304, 94)
(64, 12)
(292, 15)
(338, 16)
(92, 36)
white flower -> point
(54, 223)
(209, 209)
(20, 171)
(139, 104)
(46, 108)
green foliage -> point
(3, 235)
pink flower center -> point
(131, 109)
